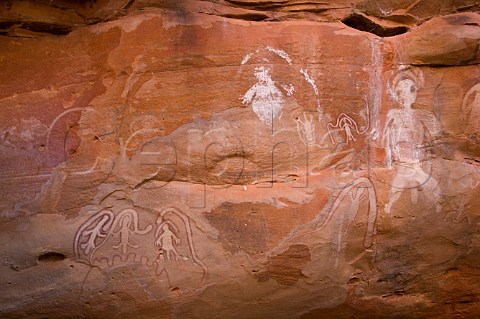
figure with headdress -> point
(408, 133)
(267, 100)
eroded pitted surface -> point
(176, 163)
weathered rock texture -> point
(240, 159)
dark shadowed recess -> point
(50, 257)
(363, 23)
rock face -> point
(240, 159)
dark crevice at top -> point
(54, 29)
(41, 27)
(363, 23)
(247, 16)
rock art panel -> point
(254, 159)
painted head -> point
(406, 92)
(405, 86)
(262, 74)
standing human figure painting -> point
(267, 100)
(408, 133)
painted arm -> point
(248, 97)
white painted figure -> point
(166, 239)
(98, 231)
(126, 224)
(471, 110)
(347, 124)
(124, 232)
(266, 99)
(459, 210)
(408, 132)
(354, 193)
(93, 234)
(306, 129)
(174, 229)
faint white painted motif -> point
(126, 224)
(464, 177)
(28, 135)
(471, 110)
(310, 80)
(347, 204)
(138, 69)
(100, 165)
(459, 210)
(57, 120)
(343, 213)
(284, 55)
(248, 57)
(125, 146)
(408, 133)
(306, 129)
(289, 88)
(266, 99)
(93, 233)
(167, 238)
(85, 175)
(346, 124)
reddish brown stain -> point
(258, 227)
(286, 268)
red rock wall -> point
(239, 159)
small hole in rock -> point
(51, 257)
(175, 289)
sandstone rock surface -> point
(240, 159)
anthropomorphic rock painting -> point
(348, 125)
(266, 98)
(408, 135)
(174, 239)
(126, 224)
